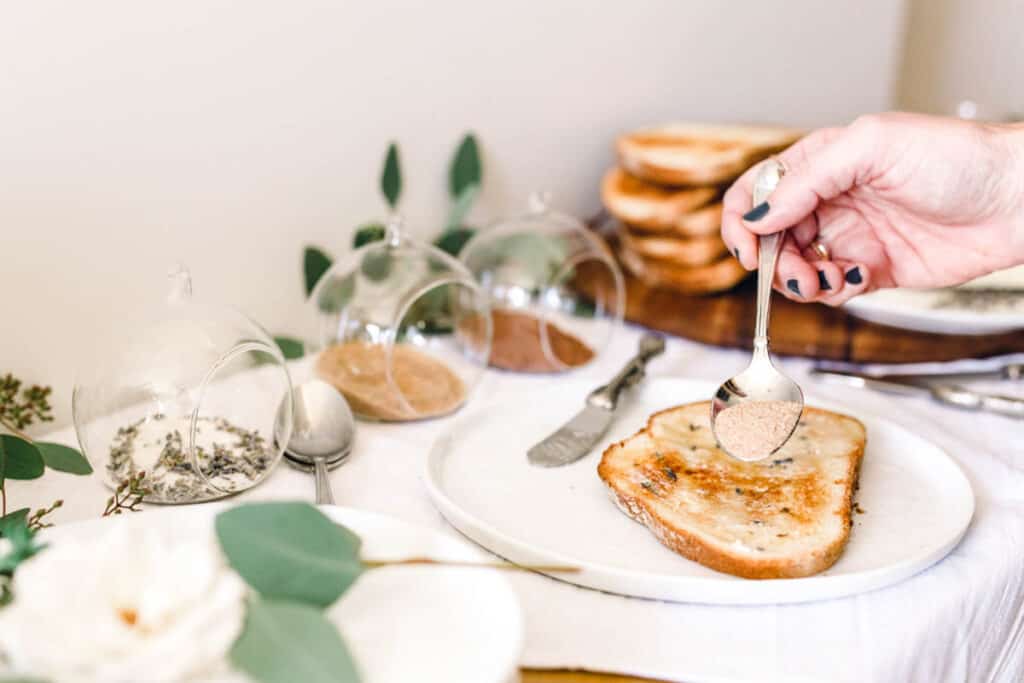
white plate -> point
(917, 504)
(425, 624)
(925, 311)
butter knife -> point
(581, 433)
(946, 393)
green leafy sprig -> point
(21, 406)
(300, 562)
(21, 457)
(391, 177)
(22, 545)
(465, 177)
(128, 495)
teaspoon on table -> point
(322, 435)
(768, 404)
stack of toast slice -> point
(666, 194)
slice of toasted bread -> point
(697, 153)
(685, 252)
(634, 201)
(718, 276)
(785, 517)
(702, 222)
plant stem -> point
(552, 568)
(14, 430)
(3, 496)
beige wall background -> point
(964, 50)
(226, 135)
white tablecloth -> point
(961, 620)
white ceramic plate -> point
(425, 624)
(932, 311)
(917, 504)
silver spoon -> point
(768, 404)
(322, 435)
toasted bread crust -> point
(635, 201)
(718, 276)
(703, 222)
(716, 556)
(696, 154)
(686, 253)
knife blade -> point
(945, 393)
(574, 439)
(582, 432)
(1009, 371)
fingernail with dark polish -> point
(757, 213)
(823, 281)
(793, 286)
(853, 276)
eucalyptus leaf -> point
(290, 347)
(365, 234)
(22, 459)
(463, 203)
(284, 642)
(430, 313)
(12, 519)
(584, 308)
(453, 240)
(391, 177)
(376, 264)
(314, 264)
(336, 294)
(63, 458)
(22, 545)
(290, 551)
(526, 258)
(465, 169)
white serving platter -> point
(917, 504)
(946, 311)
(414, 623)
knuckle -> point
(869, 125)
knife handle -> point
(1007, 406)
(607, 397)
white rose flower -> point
(141, 604)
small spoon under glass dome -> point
(754, 413)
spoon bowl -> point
(754, 413)
(323, 433)
(773, 401)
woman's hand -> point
(898, 200)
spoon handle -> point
(323, 484)
(768, 246)
(768, 254)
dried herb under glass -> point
(231, 458)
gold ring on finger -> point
(821, 250)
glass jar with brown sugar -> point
(402, 329)
(531, 268)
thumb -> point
(820, 167)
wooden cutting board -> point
(811, 330)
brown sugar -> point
(517, 345)
(359, 371)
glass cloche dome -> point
(402, 329)
(196, 396)
(533, 268)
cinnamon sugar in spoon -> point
(754, 413)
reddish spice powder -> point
(517, 345)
